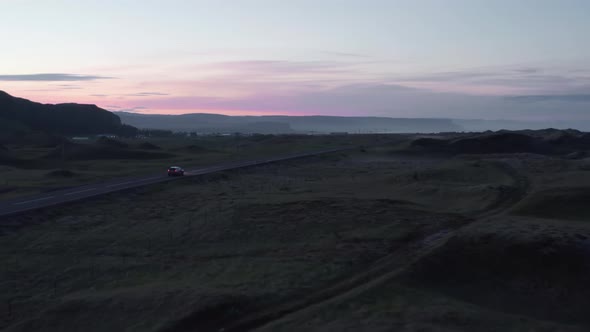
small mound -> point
(111, 142)
(548, 132)
(156, 309)
(487, 143)
(538, 270)
(561, 138)
(456, 186)
(557, 203)
(148, 146)
(60, 173)
(8, 158)
(261, 137)
(568, 141)
(577, 155)
(209, 316)
(5, 189)
(196, 148)
(95, 152)
(426, 142)
(497, 143)
(281, 139)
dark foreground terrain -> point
(423, 235)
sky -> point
(518, 59)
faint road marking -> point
(122, 183)
(34, 200)
(80, 191)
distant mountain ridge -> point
(18, 114)
(217, 123)
(212, 123)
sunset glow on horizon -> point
(353, 58)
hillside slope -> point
(64, 119)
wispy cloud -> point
(276, 70)
(374, 99)
(346, 54)
(52, 77)
(503, 80)
(146, 94)
(346, 85)
(544, 98)
(240, 78)
(128, 110)
(60, 87)
(528, 70)
(451, 76)
(69, 87)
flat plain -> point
(375, 239)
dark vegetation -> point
(103, 149)
(540, 270)
(193, 148)
(109, 142)
(61, 173)
(363, 240)
(148, 146)
(24, 167)
(572, 203)
(546, 142)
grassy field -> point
(363, 240)
(27, 170)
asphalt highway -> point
(24, 204)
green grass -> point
(91, 162)
(398, 307)
(198, 253)
(245, 239)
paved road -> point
(23, 204)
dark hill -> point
(111, 142)
(539, 272)
(568, 140)
(148, 146)
(504, 142)
(429, 143)
(63, 119)
(498, 142)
